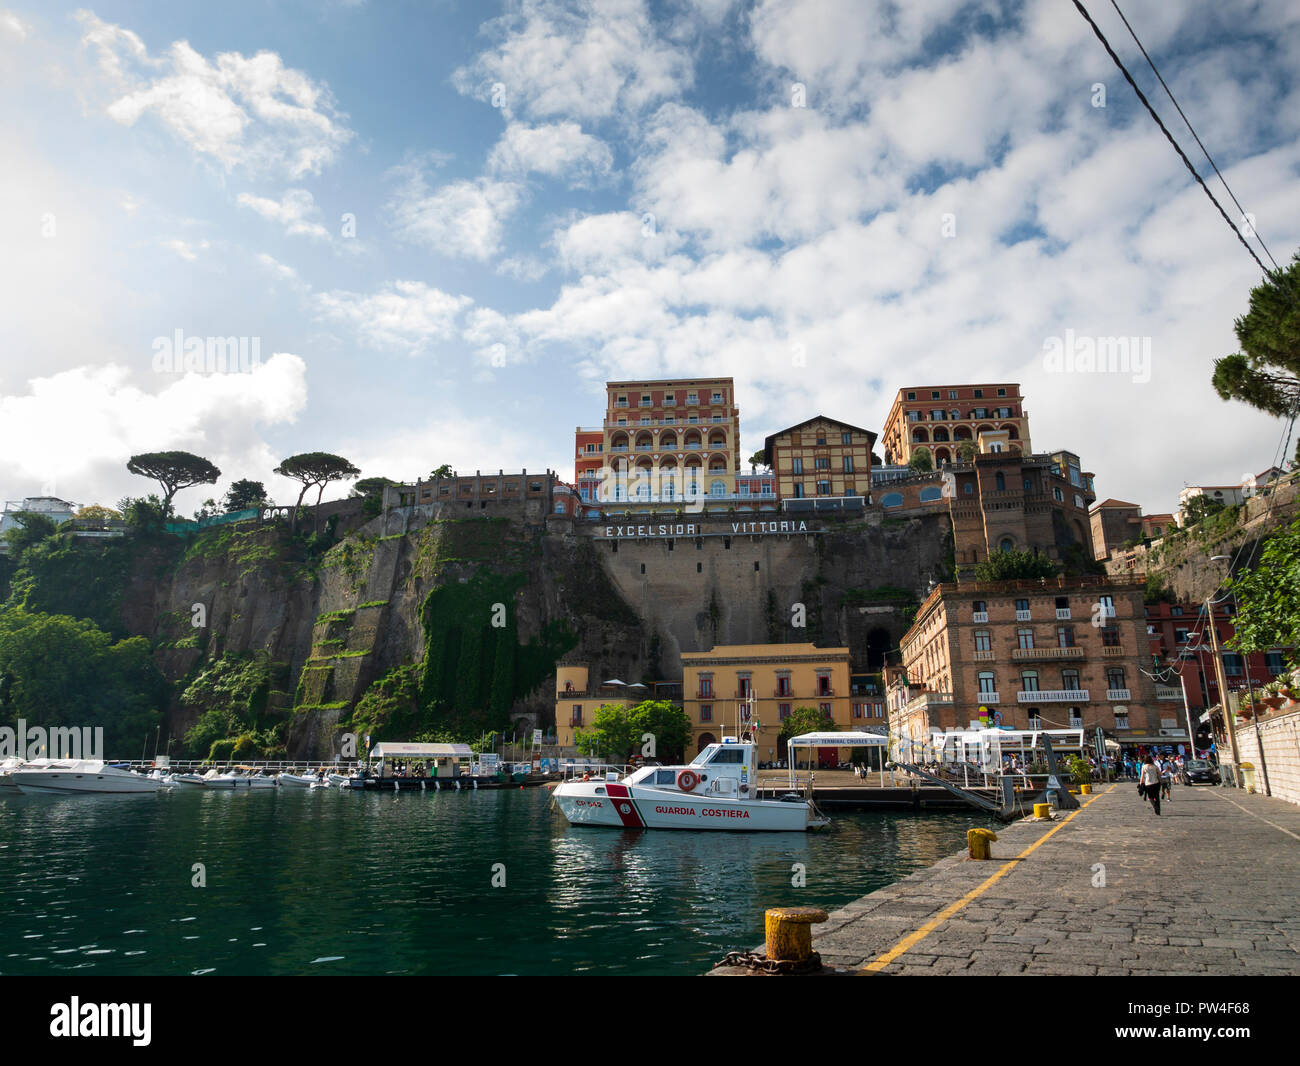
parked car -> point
(1199, 772)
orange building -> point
(940, 418)
(665, 443)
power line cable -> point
(1169, 92)
(1169, 136)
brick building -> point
(940, 418)
(1065, 653)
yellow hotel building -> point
(769, 681)
(577, 698)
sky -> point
(442, 226)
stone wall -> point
(1281, 737)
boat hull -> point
(241, 784)
(65, 782)
(636, 807)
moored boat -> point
(717, 790)
(82, 776)
(242, 778)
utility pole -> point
(1228, 723)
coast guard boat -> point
(718, 790)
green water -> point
(321, 882)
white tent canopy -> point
(838, 740)
(421, 751)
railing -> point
(980, 616)
(1054, 695)
(1046, 653)
(988, 697)
(984, 653)
(1119, 694)
(186, 766)
(1022, 616)
(1063, 612)
(1164, 692)
(1113, 651)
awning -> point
(422, 751)
(839, 740)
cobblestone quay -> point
(1209, 887)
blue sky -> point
(827, 200)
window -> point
(846, 438)
(1110, 636)
(1076, 719)
(987, 682)
(706, 688)
(825, 708)
(706, 712)
(911, 396)
(979, 394)
(1273, 663)
(1001, 482)
(576, 719)
(1070, 680)
(1107, 604)
(1007, 546)
(1232, 664)
(983, 640)
(692, 398)
(824, 685)
(1175, 611)
(823, 488)
(1115, 678)
(796, 466)
(952, 394)
(1022, 605)
(848, 464)
(1065, 636)
(645, 399)
(1181, 634)
(823, 462)
(1025, 637)
(1121, 719)
(1058, 494)
(1035, 718)
(1029, 681)
(783, 711)
(857, 710)
(934, 395)
(1002, 392)
(717, 397)
(669, 399)
(783, 686)
(798, 495)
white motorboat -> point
(341, 780)
(300, 780)
(81, 776)
(192, 780)
(240, 779)
(718, 790)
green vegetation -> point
(1266, 372)
(921, 461)
(618, 732)
(173, 471)
(81, 579)
(236, 718)
(1157, 591)
(806, 720)
(1015, 566)
(1268, 595)
(244, 494)
(61, 671)
(315, 469)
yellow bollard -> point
(1085, 790)
(977, 842)
(1042, 810)
(789, 932)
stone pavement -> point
(1204, 889)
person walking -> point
(1149, 783)
(1167, 779)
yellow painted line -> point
(1262, 819)
(912, 939)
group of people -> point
(1156, 781)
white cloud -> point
(221, 416)
(408, 316)
(11, 25)
(185, 249)
(558, 150)
(462, 218)
(297, 212)
(246, 111)
(581, 59)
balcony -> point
(980, 616)
(928, 699)
(1022, 616)
(1018, 654)
(1063, 613)
(983, 654)
(1164, 692)
(705, 694)
(1119, 694)
(1054, 695)
(988, 697)
(1113, 651)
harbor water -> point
(292, 881)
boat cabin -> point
(725, 769)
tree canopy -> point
(32, 529)
(1015, 566)
(442, 471)
(315, 469)
(1266, 372)
(173, 471)
(806, 720)
(618, 731)
(921, 461)
(1199, 507)
(244, 494)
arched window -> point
(717, 488)
(1007, 545)
(1001, 482)
(892, 499)
(931, 493)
